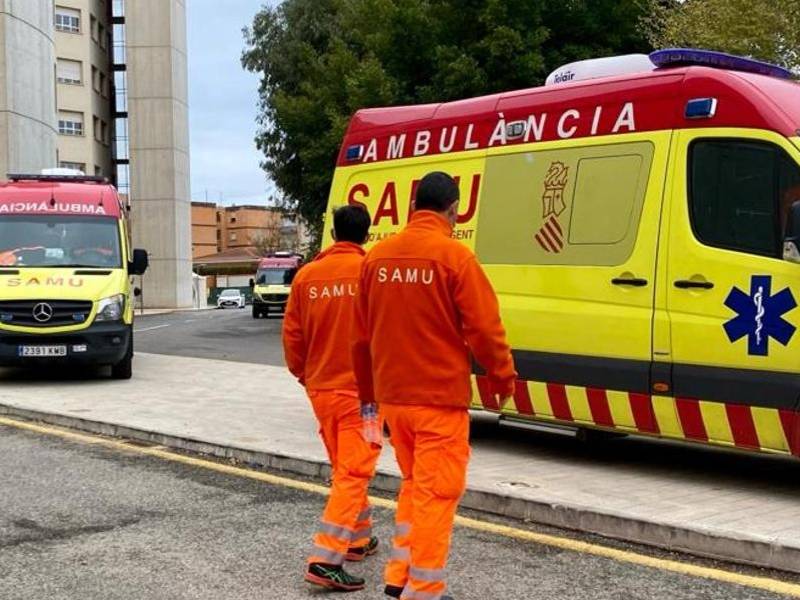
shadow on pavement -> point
(737, 470)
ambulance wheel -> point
(256, 313)
(124, 368)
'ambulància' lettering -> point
(47, 207)
(563, 125)
(405, 275)
(334, 290)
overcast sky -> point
(223, 104)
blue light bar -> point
(355, 152)
(677, 57)
(701, 108)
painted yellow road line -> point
(572, 545)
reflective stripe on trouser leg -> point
(320, 554)
(396, 573)
(363, 531)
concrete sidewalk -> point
(733, 506)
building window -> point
(95, 79)
(104, 132)
(740, 194)
(68, 19)
(96, 129)
(93, 27)
(233, 219)
(233, 237)
(98, 171)
(77, 166)
(102, 37)
(103, 85)
(69, 71)
(70, 123)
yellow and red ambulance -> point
(272, 283)
(65, 266)
(638, 218)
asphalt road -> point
(84, 521)
(230, 334)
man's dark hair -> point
(351, 224)
(437, 191)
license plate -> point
(42, 351)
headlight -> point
(110, 309)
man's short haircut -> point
(437, 191)
(351, 224)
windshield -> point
(275, 276)
(228, 293)
(59, 241)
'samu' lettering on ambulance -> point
(593, 206)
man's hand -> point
(503, 401)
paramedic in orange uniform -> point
(316, 340)
(424, 305)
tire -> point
(256, 313)
(124, 368)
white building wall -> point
(27, 86)
(159, 146)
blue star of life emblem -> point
(759, 315)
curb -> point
(747, 550)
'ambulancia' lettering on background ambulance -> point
(591, 205)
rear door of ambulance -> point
(730, 297)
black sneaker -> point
(395, 592)
(333, 577)
(362, 552)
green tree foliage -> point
(321, 60)
(765, 29)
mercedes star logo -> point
(42, 312)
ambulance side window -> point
(739, 194)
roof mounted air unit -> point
(601, 67)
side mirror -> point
(139, 263)
(791, 241)
(252, 283)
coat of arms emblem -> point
(551, 234)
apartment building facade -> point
(85, 86)
(218, 229)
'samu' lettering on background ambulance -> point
(640, 230)
(65, 262)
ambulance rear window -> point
(740, 193)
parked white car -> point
(231, 299)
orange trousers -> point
(346, 522)
(432, 449)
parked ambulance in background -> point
(272, 283)
(639, 219)
(65, 267)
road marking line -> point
(151, 328)
(674, 566)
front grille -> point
(276, 297)
(64, 312)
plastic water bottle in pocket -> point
(373, 433)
